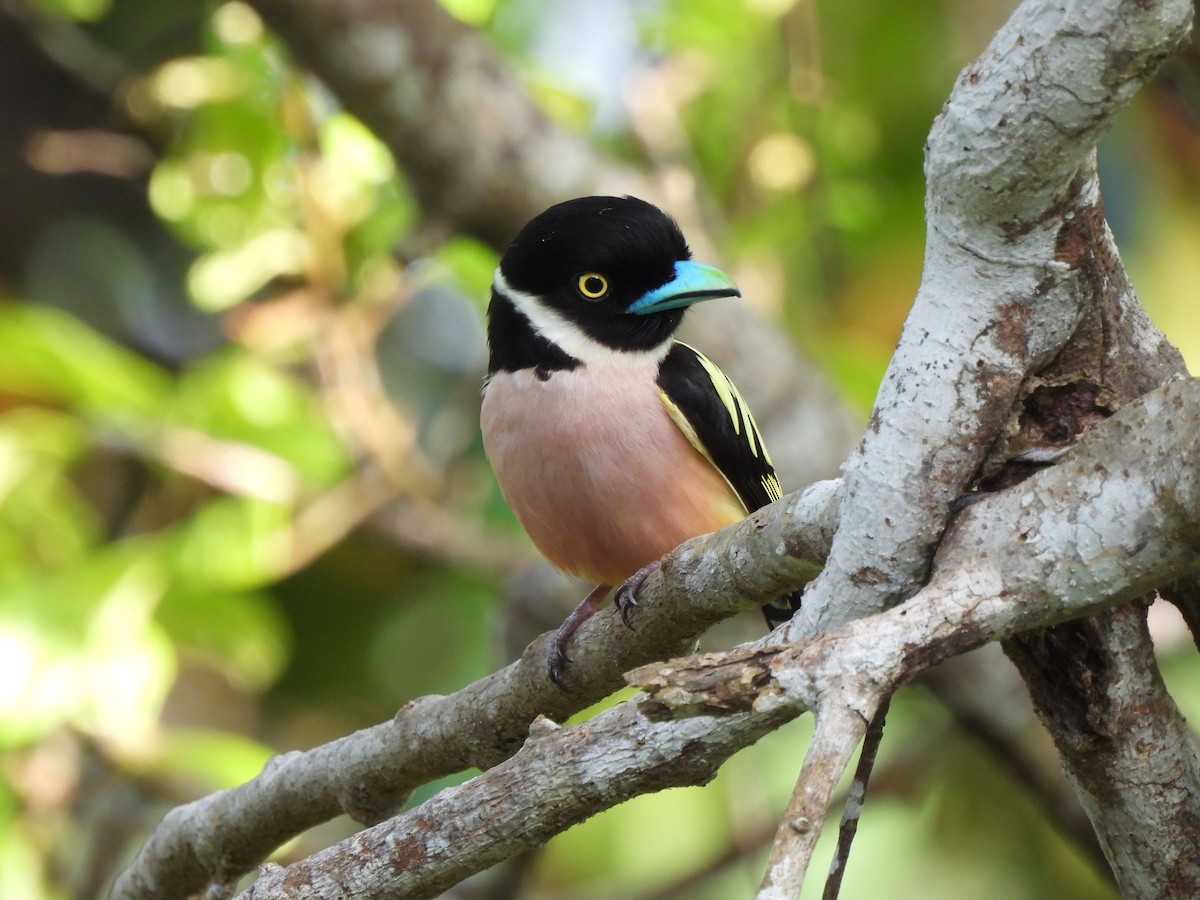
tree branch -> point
(1024, 333)
(840, 725)
(368, 773)
(989, 582)
(1126, 749)
(1005, 284)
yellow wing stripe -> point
(689, 432)
(772, 486)
(684, 425)
(735, 405)
(739, 416)
(724, 388)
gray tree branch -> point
(1025, 331)
(1012, 270)
(989, 582)
(215, 839)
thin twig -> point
(840, 725)
(854, 801)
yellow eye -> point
(593, 285)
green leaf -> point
(230, 543)
(51, 356)
(44, 522)
(80, 647)
(235, 396)
(246, 636)
(217, 758)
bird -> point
(613, 442)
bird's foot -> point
(558, 659)
(626, 596)
(558, 662)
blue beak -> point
(692, 283)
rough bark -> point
(1018, 266)
(1025, 332)
(988, 584)
(367, 774)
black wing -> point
(708, 409)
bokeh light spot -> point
(782, 162)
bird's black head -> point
(615, 269)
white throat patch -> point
(569, 337)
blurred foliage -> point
(243, 504)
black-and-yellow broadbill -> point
(612, 441)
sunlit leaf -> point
(474, 12)
(217, 759)
(51, 356)
(80, 646)
(236, 396)
(230, 543)
(224, 278)
(246, 635)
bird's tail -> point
(781, 610)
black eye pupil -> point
(593, 285)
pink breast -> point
(597, 473)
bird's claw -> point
(625, 599)
(558, 662)
(626, 596)
(626, 602)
